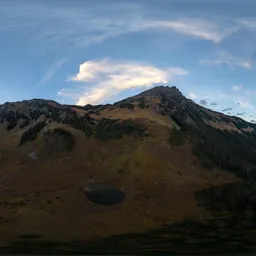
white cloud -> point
(231, 61)
(192, 96)
(105, 79)
(246, 104)
(246, 64)
(237, 87)
(250, 23)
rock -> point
(33, 155)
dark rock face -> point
(104, 194)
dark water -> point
(104, 194)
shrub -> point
(89, 130)
(12, 124)
(142, 103)
(177, 136)
(66, 137)
(31, 133)
(10, 118)
(234, 197)
(126, 105)
(91, 107)
(108, 129)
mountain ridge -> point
(158, 91)
(161, 105)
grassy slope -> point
(46, 196)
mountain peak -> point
(165, 91)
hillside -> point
(164, 159)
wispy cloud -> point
(237, 87)
(250, 23)
(192, 96)
(10, 26)
(229, 60)
(103, 79)
(52, 70)
(84, 27)
(207, 30)
(106, 27)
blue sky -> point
(79, 52)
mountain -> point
(90, 173)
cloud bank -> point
(100, 80)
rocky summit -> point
(151, 173)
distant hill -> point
(166, 158)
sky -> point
(98, 51)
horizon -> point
(79, 53)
